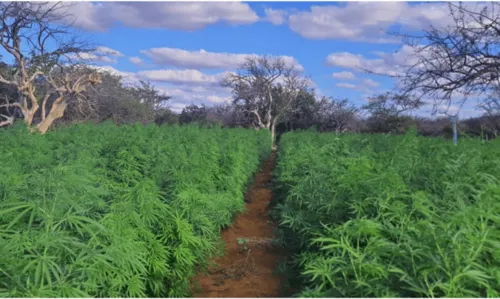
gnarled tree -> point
(266, 88)
(41, 50)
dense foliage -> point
(397, 216)
(107, 211)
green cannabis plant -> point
(389, 216)
(107, 211)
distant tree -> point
(486, 126)
(226, 115)
(121, 103)
(150, 96)
(166, 116)
(491, 111)
(304, 114)
(337, 115)
(390, 104)
(387, 111)
(432, 127)
(193, 114)
(491, 125)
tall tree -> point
(267, 89)
(41, 50)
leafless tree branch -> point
(28, 32)
(460, 61)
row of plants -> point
(107, 211)
(389, 216)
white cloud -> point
(177, 107)
(91, 57)
(218, 99)
(366, 21)
(275, 16)
(345, 85)
(181, 76)
(370, 83)
(203, 59)
(100, 54)
(109, 51)
(387, 63)
(183, 95)
(128, 78)
(344, 59)
(186, 16)
(344, 75)
(136, 60)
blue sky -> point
(184, 48)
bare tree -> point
(41, 49)
(266, 88)
(458, 61)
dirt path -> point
(247, 272)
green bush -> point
(397, 216)
(107, 211)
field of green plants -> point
(107, 211)
(389, 216)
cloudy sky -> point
(184, 48)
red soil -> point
(247, 273)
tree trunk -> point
(273, 136)
(455, 131)
(29, 114)
(56, 112)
